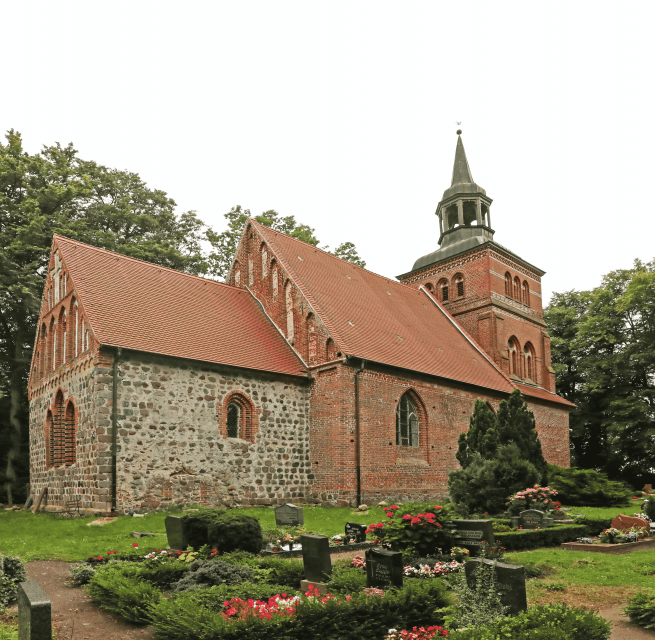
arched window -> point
(289, 307)
(70, 434)
(526, 293)
(513, 348)
(330, 350)
(459, 284)
(508, 285)
(237, 274)
(49, 440)
(52, 345)
(311, 338)
(43, 340)
(61, 339)
(239, 418)
(407, 423)
(76, 318)
(264, 261)
(251, 274)
(517, 289)
(443, 290)
(530, 369)
(274, 279)
(428, 286)
(58, 432)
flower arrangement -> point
(417, 633)
(439, 569)
(287, 543)
(459, 551)
(358, 562)
(533, 498)
(376, 593)
(493, 551)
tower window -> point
(526, 293)
(443, 287)
(513, 352)
(508, 285)
(459, 283)
(530, 370)
(407, 423)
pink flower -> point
(407, 517)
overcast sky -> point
(344, 114)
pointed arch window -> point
(233, 415)
(517, 289)
(407, 423)
(274, 279)
(264, 261)
(513, 352)
(526, 293)
(429, 287)
(311, 338)
(70, 434)
(289, 308)
(330, 350)
(530, 369)
(240, 419)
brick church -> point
(303, 378)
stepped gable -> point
(139, 305)
(381, 320)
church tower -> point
(490, 291)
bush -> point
(12, 572)
(234, 533)
(587, 488)
(271, 569)
(535, 538)
(209, 573)
(214, 597)
(120, 590)
(543, 622)
(163, 573)
(8, 591)
(362, 617)
(593, 526)
(81, 574)
(641, 609)
(346, 580)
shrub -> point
(593, 526)
(196, 527)
(641, 609)
(208, 573)
(346, 580)
(12, 572)
(532, 498)
(270, 569)
(8, 591)
(81, 574)
(535, 538)
(163, 573)
(587, 488)
(234, 533)
(214, 597)
(119, 590)
(543, 622)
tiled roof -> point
(138, 305)
(542, 394)
(382, 320)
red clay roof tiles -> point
(138, 305)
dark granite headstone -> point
(531, 519)
(473, 534)
(355, 531)
(384, 568)
(175, 533)
(28, 503)
(316, 557)
(510, 580)
(288, 515)
(34, 613)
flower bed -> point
(334, 549)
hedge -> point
(535, 538)
(593, 526)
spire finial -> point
(459, 132)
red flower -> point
(407, 517)
(415, 521)
(394, 506)
(436, 506)
(390, 514)
(135, 544)
(100, 558)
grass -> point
(47, 536)
(630, 507)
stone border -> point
(615, 549)
(333, 550)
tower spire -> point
(461, 169)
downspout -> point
(358, 460)
(114, 424)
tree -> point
(224, 245)
(55, 191)
(604, 356)
(500, 454)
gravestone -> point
(648, 488)
(175, 533)
(28, 503)
(384, 568)
(473, 534)
(532, 519)
(355, 531)
(288, 515)
(34, 613)
(625, 523)
(510, 580)
(316, 557)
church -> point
(303, 378)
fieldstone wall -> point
(172, 438)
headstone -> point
(28, 503)
(648, 488)
(355, 531)
(384, 568)
(510, 580)
(175, 533)
(625, 523)
(34, 613)
(473, 534)
(532, 519)
(316, 557)
(288, 515)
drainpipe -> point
(358, 468)
(114, 425)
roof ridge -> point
(144, 262)
(310, 298)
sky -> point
(343, 114)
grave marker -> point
(510, 580)
(384, 568)
(625, 523)
(648, 488)
(356, 531)
(34, 613)
(316, 559)
(175, 533)
(532, 519)
(288, 515)
(473, 534)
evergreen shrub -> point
(346, 580)
(81, 574)
(535, 538)
(270, 569)
(543, 622)
(214, 597)
(224, 529)
(587, 488)
(209, 573)
(12, 572)
(641, 609)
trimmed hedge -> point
(535, 538)
(226, 530)
(593, 526)
(361, 617)
(543, 622)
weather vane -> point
(459, 131)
